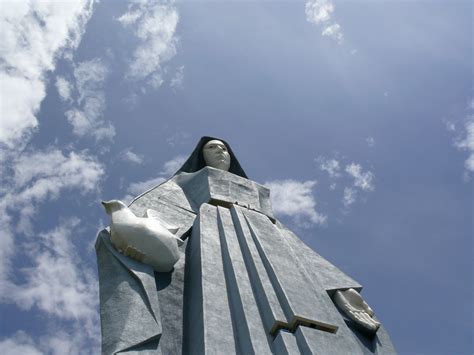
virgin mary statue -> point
(242, 284)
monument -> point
(200, 265)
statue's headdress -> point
(196, 161)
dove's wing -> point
(156, 215)
(149, 213)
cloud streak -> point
(169, 168)
(353, 178)
(154, 25)
(34, 34)
(58, 284)
(295, 199)
(466, 142)
(86, 117)
(54, 280)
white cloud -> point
(34, 34)
(349, 196)
(154, 25)
(450, 126)
(169, 168)
(466, 141)
(53, 171)
(86, 117)
(295, 199)
(137, 188)
(56, 342)
(57, 283)
(320, 13)
(331, 166)
(362, 180)
(334, 31)
(64, 88)
(28, 181)
(129, 156)
(19, 343)
(467, 144)
(353, 182)
(177, 81)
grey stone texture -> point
(244, 284)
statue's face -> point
(216, 155)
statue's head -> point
(214, 152)
(216, 155)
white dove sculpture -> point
(145, 239)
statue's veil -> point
(196, 161)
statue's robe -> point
(244, 284)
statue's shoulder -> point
(168, 193)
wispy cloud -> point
(465, 140)
(353, 179)
(320, 13)
(349, 196)
(86, 117)
(176, 138)
(169, 168)
(30, 180)
(54, 280)
(58, 284)
(139, 187)
(64, 88)
(20, 343)
(154, 25)
(295, 199)
(362, 180)
(172, 165)
(34, 34)
(331, 166)
(333, 31)
(129, 156)
(177, 81)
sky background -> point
(359, 115)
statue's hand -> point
(354, 307)
(134, 253)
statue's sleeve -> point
(129, 309)
(132, 297)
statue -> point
(209, 269)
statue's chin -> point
(221, 166)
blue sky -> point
(357, 114)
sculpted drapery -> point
(243, 284)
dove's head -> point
(113, 205)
